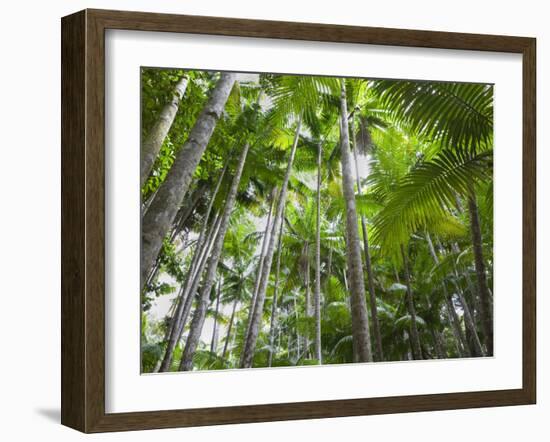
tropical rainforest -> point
(292, 220)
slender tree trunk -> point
(437, 344)
(473, 295)
(230, 327)
(298, 337)
(187, 291)
(187, 210)
(477, 349)
(187, 295)
(368, 262)
(200, 312)
(307, 281)
(408, 355)
(260, 267)
(360, 320)
(170, 315)
(329, 264)
(214, 343)
(150, 147)
(317, 296)
(328, 273)
(485, 298)
(396, 273)
(462, 345)
(307, 309)
(158, 219)
(473, 291)
(256, 319)
(474, 298)
(346, 285)
(273, 324)
(436, 334)
(415, 338)
(451, 312)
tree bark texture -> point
(194, 272)
(150, 147)
(256, 319)
(317, 295)
(360, 320)
(160, 215)
(187, 295)
(274, 310)
(368, 262)
(200, 311)
(483, 288)
(265, 240)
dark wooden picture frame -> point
(83, 220)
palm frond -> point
(458, 115)
(428, 192)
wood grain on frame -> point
(83, 219)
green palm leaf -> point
(427, 192)
(458, 115)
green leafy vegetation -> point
(300, 220)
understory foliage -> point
(421, 193)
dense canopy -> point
(299, 220)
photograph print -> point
(298, 220)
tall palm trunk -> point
(260, 266)
(307, 310)
(187, 209)
(451, 312)
(200, 311)
(485, 297)
(437, 344)
(307, 280)
(471, 289)
(461, 343)
(187, 291)
(187, 295)
(214, 342)
(360, 320)
(436, 334)
(476, 348)
(317, 295)
(160, 215)
(256, 319)
(368, 262)
(298, 337)
(150, 147)
(414, 336)
(273, 324)
(230, 327)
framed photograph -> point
(266, 221)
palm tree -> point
(151, 145)
(160, 215)
(360, 321)
(259, 270)
(366, 248)
(239, 247)
(317, 295)
(274, 306)
(200, 311)
(194, 274)
(415, 337)
(214, 341)
(255, 319)
(477, 241)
